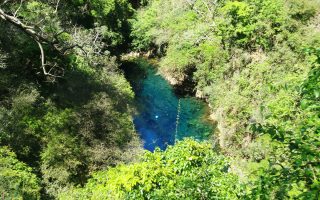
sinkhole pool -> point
(157, 119)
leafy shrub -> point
(16, 179)
(188, 170)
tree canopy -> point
(17, 181)
(187, 170)
(66, 108)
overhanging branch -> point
(29, 30)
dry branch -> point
(29, 30)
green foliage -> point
(16, 179)
(63, 163)
(247, 56)
(294, 171)
(142, 29)
(14, 119)
(42, 14)
(249, 62)
(66, 128)
(303, 10)
(188, 170)
(111, 15)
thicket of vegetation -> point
(257, 63)
(14, 174)
(187, 170)
(65, 107)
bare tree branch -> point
(57, 6)
(6, 1)
(25, 28)
(43, 63)
(15, 13)
(38, 38)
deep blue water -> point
(157, 109)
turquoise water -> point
(157, 109)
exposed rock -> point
(172, 80)
(131, 55)
(200, 94)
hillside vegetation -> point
(188, 170)
(257, 64)
(65, 107)
(66, 129)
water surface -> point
(158, 120)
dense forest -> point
(66, 107)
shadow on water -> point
(157, 106)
